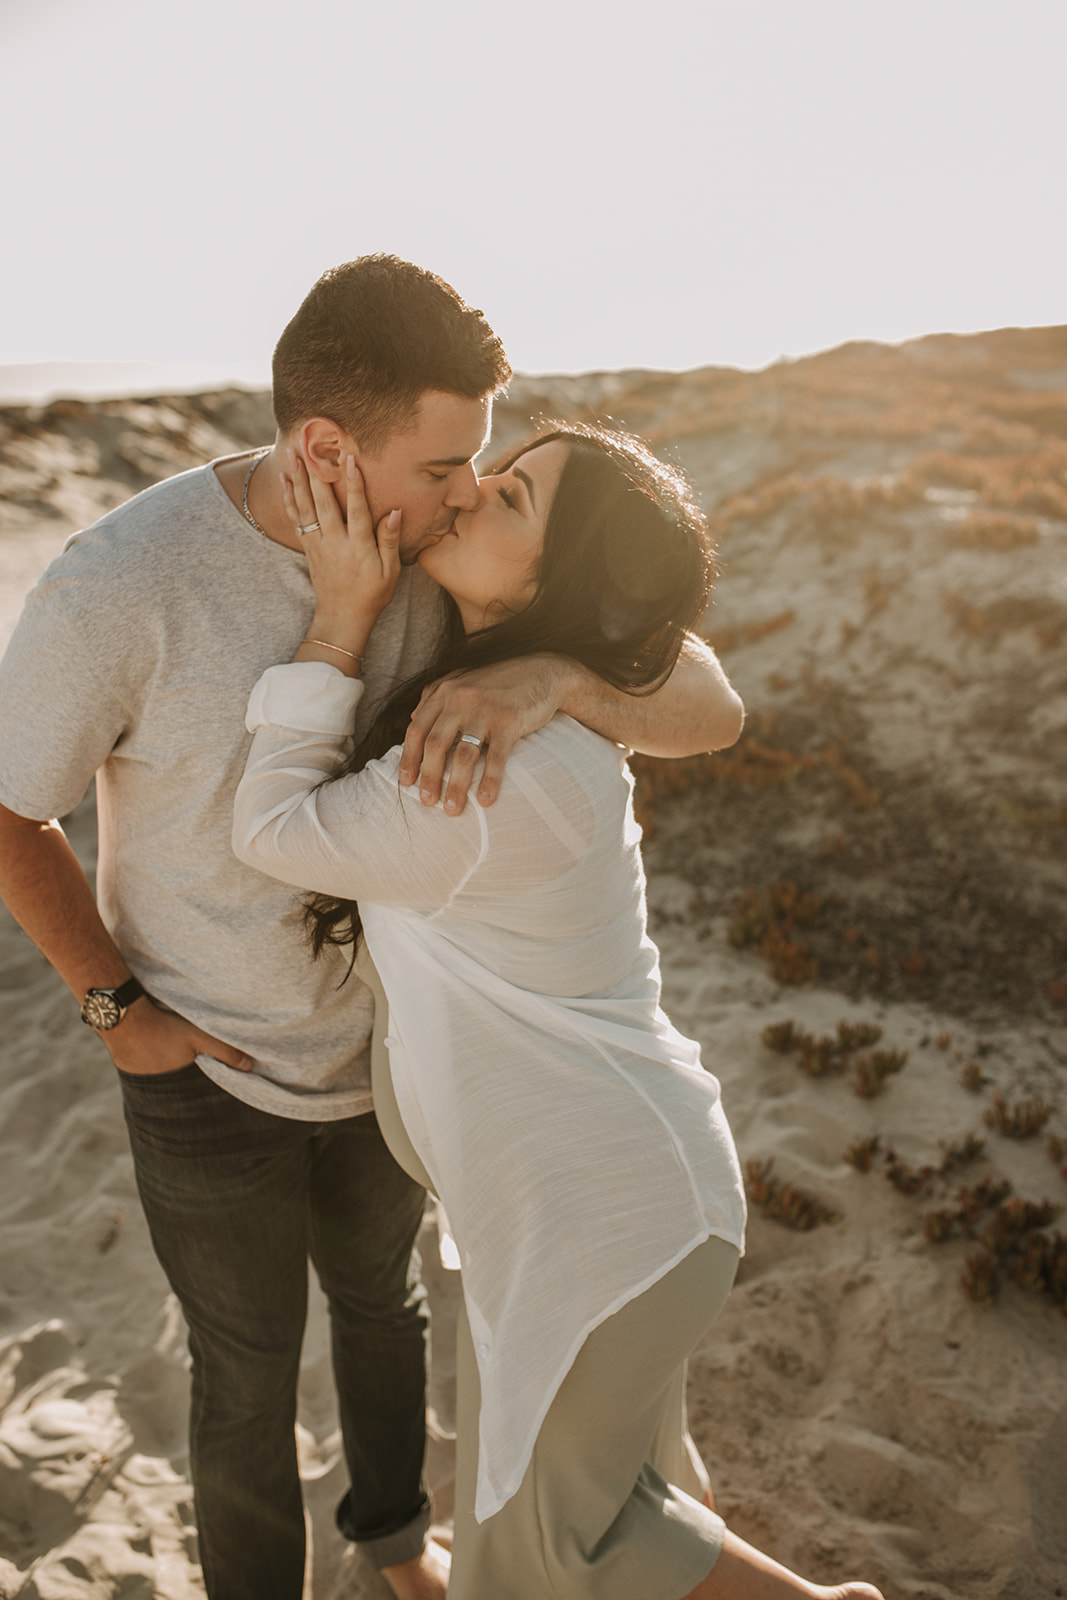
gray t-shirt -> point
(134, 659)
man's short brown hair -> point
(371, 337)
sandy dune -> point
(893, 607)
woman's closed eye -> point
(507, 497)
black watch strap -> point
(128, 992)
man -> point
(134, 659)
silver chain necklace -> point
(244, 494)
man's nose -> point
(463, 490)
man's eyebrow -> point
(528, 481)
(458, 461)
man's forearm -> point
(695, 710)
(47, 893)
(45, 889)
(470, 714)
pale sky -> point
(665, 184)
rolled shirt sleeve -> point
(310, 695)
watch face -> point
(101, 1010)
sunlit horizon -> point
(38, 383)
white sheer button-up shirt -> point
(577, 1144)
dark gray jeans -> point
(236, 1201)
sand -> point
(860, 1415)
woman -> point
(579, 1148)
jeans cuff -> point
(388, 1549)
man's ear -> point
(324, 445)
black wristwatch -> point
(104, 1009)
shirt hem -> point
(315, 1106)
(491, 1498)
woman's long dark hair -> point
(626, 570)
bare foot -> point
(425, 1578)
(744, 1573)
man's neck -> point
(264, 497)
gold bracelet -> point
(351, 654)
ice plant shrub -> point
(980, 1281)
(1024, 1120)
(861, 1153)
(793, 1207)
